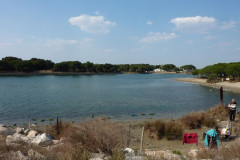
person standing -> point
(232, 109)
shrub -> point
(174, 130)
(155, 129)
(160, 129)
(60, 129)
(177, 152)
(100, 136)
(220, 112)
(195, 120)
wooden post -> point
(142, 140)
(57, 127)
(221, 95)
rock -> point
(128, 152)
(27, 139)
(96, 159)
(26, 131)
(14, 140)
(43, 140)
(19, 130)
(135, 158)
(56, 142)
(5, 131)
(35, 155)
(167, 155)
(193, 153)
(32, 133)
(18, 135)
(99, 156)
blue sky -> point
(198, 32)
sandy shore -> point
(227, 86)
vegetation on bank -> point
(194, 120)
(14, 64)
(217, 72)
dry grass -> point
(101, 136)
(159, 129)
(94, 136)
(156, 129)
(195, 120)
(82, 140)
(220, 112)
(61, 129)
(225, 152)
(174, 130)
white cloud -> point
(196, 24)
(109, 51)
(190, 42)
(18, 40)
(157, 36)
(149, 22)
(237, 49)
(228, 25)
(5, 44)
(92, 24)
(65, 42)
(209, 37)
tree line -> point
(14, 64)
(219, 71)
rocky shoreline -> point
(18, 137)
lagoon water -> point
(119, 96)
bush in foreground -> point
(159, 129)
(220, 112)
(195, 120)
(226, 152)
(90, 137)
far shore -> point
(227, 86)
(48, 72)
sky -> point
(180, 32)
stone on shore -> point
(26, 131)
(19, 130)
(32, 133)
(14, 140)
(167, 155)
(43, 140)
(193, 153)
(5, 131)
(100, 156)
(128, 152)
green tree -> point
(168, 67)
(188, 67)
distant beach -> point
(227, 86)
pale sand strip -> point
(228, 86)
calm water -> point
(121, 96)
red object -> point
(190, 138)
